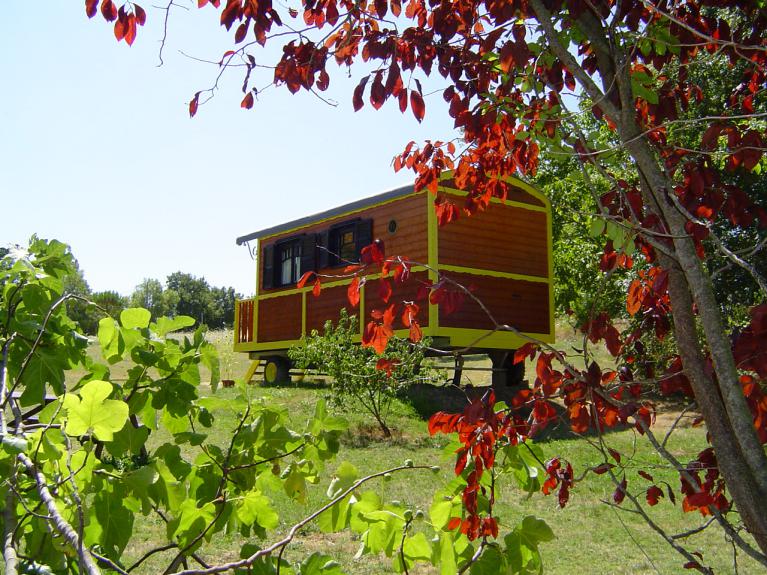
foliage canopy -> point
(681, 165)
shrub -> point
(357, 372)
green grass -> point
(592, 537)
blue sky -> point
(97, 148)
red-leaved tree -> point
(682, 163)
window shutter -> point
(363, 234)
(308, 247)
(323, 260)
(267, 267)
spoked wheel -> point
(276, 370)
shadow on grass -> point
(307, 382)
(364, 435)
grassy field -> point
(592, 537)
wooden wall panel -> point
(503, 238)
(327, 307)
(400, 292)
(520, 304)
(279, 318)
(410, 238)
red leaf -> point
(260, 34)
(193, 105)
(230, 13)
(654, 493)
(377, 93)
(121, 28)
(614, 454)
(358, 92)
(634, 298)
(109, 11)
(645, 475)
(388, 317)
(527, 350)
(323, 81)
(242, 31)
(317, 287)
(353, 292)
(402, 100)
(602, 468)
(460, 462)
(304, 278)
(453, 523)
(140, 14)
(247, 101)
(752, 149)
(644, 417)
(579, 417)
(416, 334)
(442, 422)
(387, 365)
(393, 80)
(417, 105)
(384, 290)
(711, 135)
(409, 314)
(402, 272)
(91, 7)
(130, 34)
(489, 527)
(446, 211)
(613, 341)
(620, 492)
(373, 253)
(376, 336)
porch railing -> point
(245, 328)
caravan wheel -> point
(276, 370)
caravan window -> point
(289, 258)
(345, 239)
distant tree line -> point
(182, 294)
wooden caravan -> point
(503, 253)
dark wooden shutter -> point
(322, 249)
(363, 235)
(308, 247)
(267, 267)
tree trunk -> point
(699, 285)
(739, 453)
(741, 457)
(750, 500)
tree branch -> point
(59, 523)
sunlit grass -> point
(592, 536)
